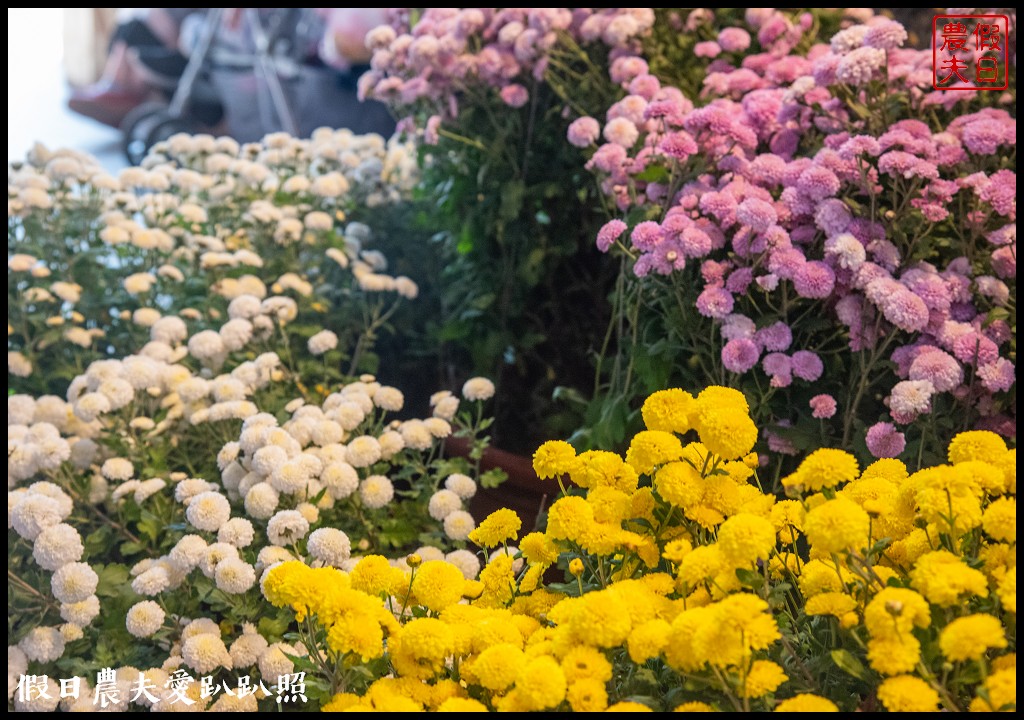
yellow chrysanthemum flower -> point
(728, 433)
(554, 459)
(420, 649)
(437, 584)
(1000, 519)
(693, 706)
(374, 575)
(744, 539)
(1008, 590)
(1001, 689)
(945, 579)
(569, 517)
(894, 655)
(668, 410)
(763, 677)
(830, 603)
(970, 637)
(807, 703)
(648, 640)
(541, 684)
(587, 695)
(499, 527)
(837, 525)
(976, 445)
(894, 612)
(827, 468)
(651, 448)
(586, 662)
(496, 668)
(679, 484)
(460, 705)
(906, 693)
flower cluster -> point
(202, 217)
(218, 421)
(690, 588)
(782, 199)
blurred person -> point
(344, 43)
(143, 59)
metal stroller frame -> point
(154, 121)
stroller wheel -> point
(136, 129)
(165, 127)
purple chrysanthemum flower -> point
(739, 355)
(937, 367)
(885, 441)
(583, 132)
(715, 302)
(807, 365)
(814, 279)
(823, 406)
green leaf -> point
(848, 663)
(493, 478)
(750, 578)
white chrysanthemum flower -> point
(340, 479)
(148, 488)
(478, 388)
(360, 398)
(347, 414)
(406, 287)
(83, 452)
(42, 644)
(74, 582)
(274, 663)
(391, 443)
(33, 514)
(376, 491)
(205, 345)
(458, 525)
(236, 531)
(215, 554)
(188, 551)
(21, 410)
(429, 552)
(78, 336)
(236, 333)
(57, 546)
(18, 365)
(91, 405)
(281, 308)
(234, 576)
(142, 424)
(144, 619)
(246, 650)
(437, 427)
(465, 561)
(200, 626)
(139, 283)
(117, 469)
(268, 459)
(327, 432)
(308, 510)
(324, 341)
(146, 317)
(416, 435)
(244, 307)
(64, 502)
(443, 503)
(228, 389)
(389, 398)
(272, 555)
(290, 477)
(193, 389)
(187, 489)
(208, 511)
(330, 546)
(461, 485)
(205, 653)
(125, 489)
(170, 330)
(227, 455)
(363, 451)
(446, 408)
(152, 582)
(17, 663)
(261, 501)
(70, 632)
(287, 527)
(82, 612)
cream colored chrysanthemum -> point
(330, 546)
(443, 503)
(208, 511)
(57, 546)
(376, 491)
(144, 618)
(287, 527)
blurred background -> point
(113, 81)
